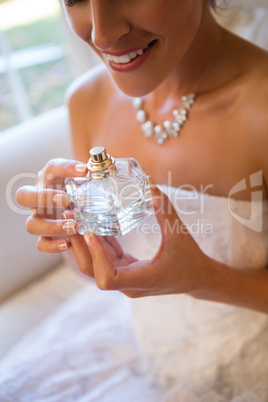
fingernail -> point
(88, 237)
(50, 176)
(63, 246)
(61, 200)
(80, 168)
(69, 227)
(68, 214)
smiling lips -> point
(128, 61)
(126, 58)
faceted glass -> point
(113, 205)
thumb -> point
(103, 267)
(165, 213)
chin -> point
(134, 87)
(134, 91)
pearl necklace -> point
(169, 128)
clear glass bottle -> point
(113, 198)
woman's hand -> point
(47, 199)
(178, 266)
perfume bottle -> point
(113, 198)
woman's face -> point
(140, 41)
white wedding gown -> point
(101, 346)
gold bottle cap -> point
(100, 164)
(98, 154)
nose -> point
(109, 24)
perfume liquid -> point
(113, 198)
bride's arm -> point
(240, 287)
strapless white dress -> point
(204, 349)
(101, 346)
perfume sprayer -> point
(113, 198)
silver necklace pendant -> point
(169, 128)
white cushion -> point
(24, 150)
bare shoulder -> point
(255, 91)
(86, 98)
(247, 94)
(254, 103)
(259, 120)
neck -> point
(189, 76)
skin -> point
(222, 142)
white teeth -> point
(126, 57)
(132, 55)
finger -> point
(68, 214)
(115, 245)
(82, 255)
(134, 276)
(166, 214)
(52, 246)
(61, 168)
(110, 250)
(32, 197)
(103, 267)
(36, 225)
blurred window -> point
(35, 68)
